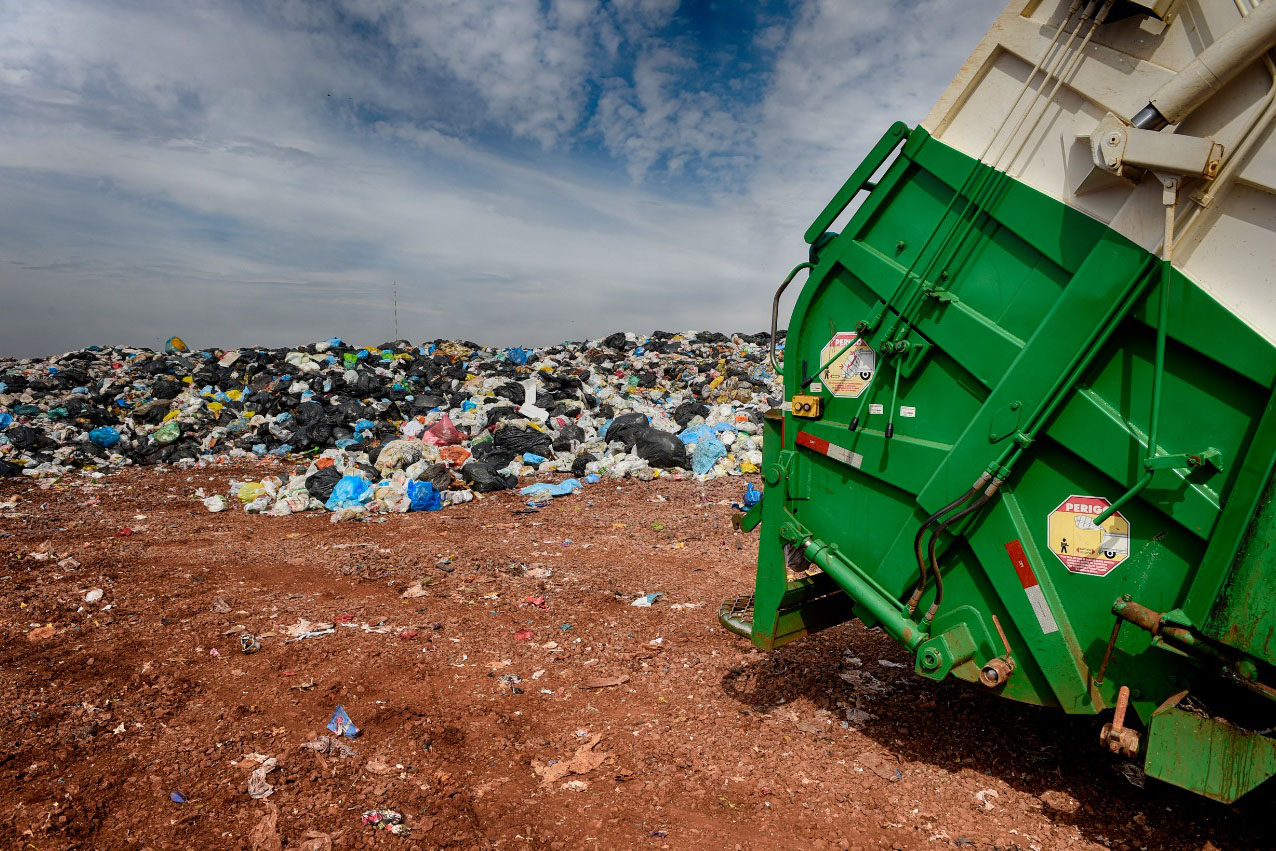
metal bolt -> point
(930, 659)
(901, 245)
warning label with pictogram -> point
(1082, 546)
(853, 370)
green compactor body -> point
(1033, 453)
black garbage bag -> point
(165, 389)
(516, 393)
(484, 478)
(8, 468)
(22, 437)
(662, 449)
(316, 434)
(309, 412)
(489, 453)
(502, 412)
(427, 401)
(566, 434)
(439, 475)
(615, 341)
(578, 466)
(519, 440)
(625, 428)
(151, 413)
(688, 411)
(320, 483)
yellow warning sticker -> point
(853, 370)
(1082, 546)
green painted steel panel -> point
(1026, 337)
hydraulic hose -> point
(921, 533)
(989, 492)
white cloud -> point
(241, 179)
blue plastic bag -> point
(104, 437)
(533, 458)
(700, 432)
(5, 420)
(518, 356)
(561, 489)
(752, 496)
(349, 492)
(593, 479)
(341, 724)
(706, 454)
(424, 496)
(364, 425)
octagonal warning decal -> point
(1082, 546)
(853, 370)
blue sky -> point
(245, 173)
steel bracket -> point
(937, 657)
(1186, 461)
(1126, 152)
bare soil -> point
(519, 702)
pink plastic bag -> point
(442, 433)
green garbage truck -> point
(1029, 417)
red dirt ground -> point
(464, 693)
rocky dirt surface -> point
(509, 695)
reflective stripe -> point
(830, 450)
(1031, 587)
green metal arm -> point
(858, 180)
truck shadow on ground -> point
(861, 675)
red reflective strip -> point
(1020, 560)
(812, 442)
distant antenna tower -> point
(396, 310)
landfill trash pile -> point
(397, 427)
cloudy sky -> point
(252, 172)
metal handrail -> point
(775, 309)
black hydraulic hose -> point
(921, 532)
(988, 494)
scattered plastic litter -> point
(387, 820)
(646, 600)
(341, 724)
(258, 787)
(177, 798)
(93, 596)
(249, 644)
(984, 798)
(330, 745)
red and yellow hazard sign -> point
(1082, 546)
(853, 370)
